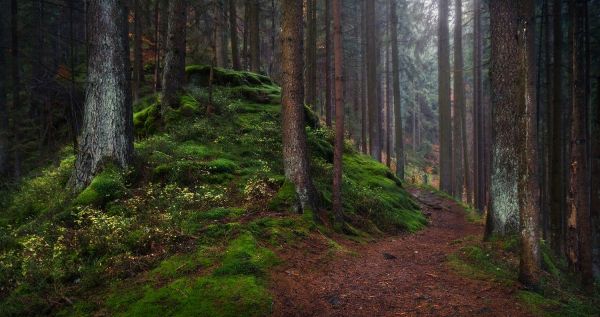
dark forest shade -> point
(253, 35)
(107, 131)
(295, 153)
(446, 166)
(174, 72)
(4, 137)
(233, 36)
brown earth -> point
(404, 275)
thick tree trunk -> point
(311, 54)
(138, 64)
(459, 105)
(339, 110)
(446, 165)
(374, 112)
(328, 110)
(4, 132)
(506, 135)
(253, 35)
(528, 187)
(295, 154)
(174, 72)
(233, 35)
(578, 209)
(398, 131)
(107, 132)
(557, 203)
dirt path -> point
(397, 276)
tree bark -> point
(138, 64)
(578, 209)
(4, 131)
(363, 78)
(478, 142)
(528, 187)
(174, 72)
(398, 131)
(254, 36)
(233, 35)
(339, 110)
(446, 165)
(460, 157)
(295, 155)
(107, 132)
(220, 29)
(328, 110)
(506, 135)
(157, 46)
(596, 181)
(374, 112)
(311, 54)
(16, 88)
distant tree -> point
(396, 83)
(233, 35)
(327, 22)
(446, 166)
(107, 131)
(339, 110)
(295, 152)
(138, 63)
(458, 106)
(310, 55)
(254, 35)
(478, 133)
(372, 93)
(4, 131)
(174, 72)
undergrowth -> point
(191, 228)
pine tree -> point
(446, 165)
(174, 72)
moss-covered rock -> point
(105, 187)
(285, 199)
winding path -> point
(403, 275)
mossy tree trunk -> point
(339, 109)
(295, 152)
(578, 209)
(107, 131)
(233, 35)
(446, 168)
(174, 72)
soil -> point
(405, 275)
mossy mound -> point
(190, 228)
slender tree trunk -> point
(372, 100)
(233, 35)
(138, 64)
(157, 46)
(388, 103)
(4, 135)
(220, 29)
(462, 102)
(557, 203)
(254, 36)
(295, 155)
(578, 208)
(174, 72)
(460, 157)
(107, 134)
(446, 165)
(328, 110)
(506, 136)
(478, 179)
(16, 88)
(397, 101)
(339, 110)
(311, 54)
(596, 180)
(363, 78)
(528, 187)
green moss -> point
(245, 257)
(183, 264)
(189, 106)
(200, 75)
(285, 199)
(222, 213)
(146, 121)
(221, 165)
(192, 150)
(106, 186)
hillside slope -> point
(193, 228)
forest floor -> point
(405, 275)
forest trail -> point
(405, 275)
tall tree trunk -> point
(506, 135)
(220, 29)
(339, 110)
(328, 110)
(4, 135)
(557, 203)
(578, 208)
(446, 167)
(528, 187)
(398, 131)
(107, 133)
(363, 78)
(386, 73)
(157, 45)
(478, 142)
(295, 154)
(138, 64)
(459, 104)
(311, 54)
(596, 180)
(254, 36)
(233, 35)
(462, 101)
(16, 87)
(174, 72)
(372, 93)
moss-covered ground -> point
(193, 227)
